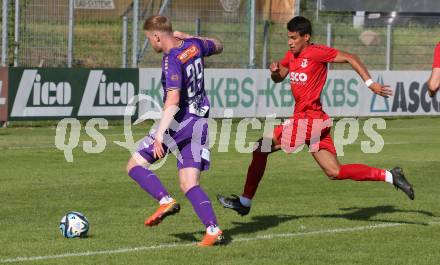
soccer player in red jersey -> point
(306, 64)
(434, 80)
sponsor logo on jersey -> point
(189, 53)
(297, 78)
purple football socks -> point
(202, 205)
(148, 181)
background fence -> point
(38, 34)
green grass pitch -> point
(298, 216)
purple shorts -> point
(189, 142)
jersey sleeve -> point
(207, 46)
(285, 61)
(436, 62)
(324, 54)
(173, 73)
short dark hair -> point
(159, 23)
(301, 25)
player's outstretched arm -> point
(359, 67)
(278, 72)
(218, 44)
(434, 81)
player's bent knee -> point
(188, 184)
(188, 178)
(130, 165)
(332, 174)
(136, 160)
(183, 188)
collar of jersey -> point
(299, 55)
(175, 48)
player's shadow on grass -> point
(258, 223)
(261, 223)
(369, 214)
(264, 222)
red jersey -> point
(308, 73)
(436, 63)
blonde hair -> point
(159, 23)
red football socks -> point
(359, 172)
(255, 173)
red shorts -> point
(311, 128)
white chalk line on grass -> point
(180, 245)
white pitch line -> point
(176, 245)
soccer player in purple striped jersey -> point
(183, 128)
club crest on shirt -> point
(175, 77)
(188, 54)
(304, 63)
